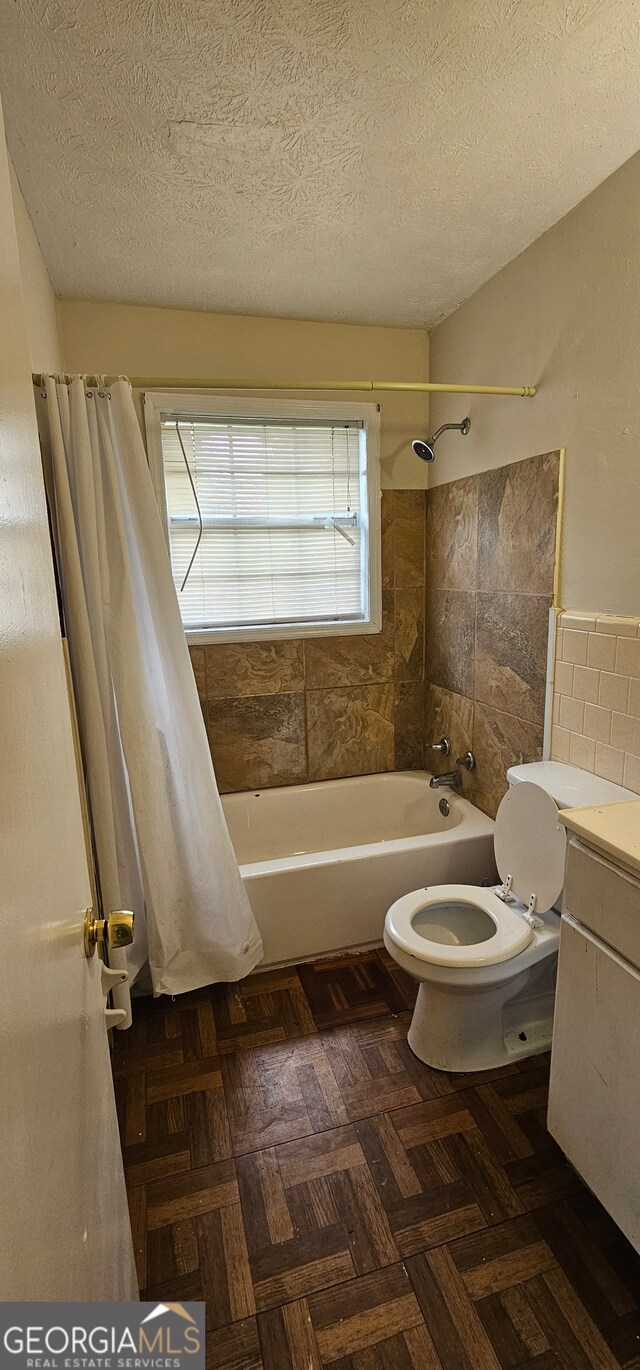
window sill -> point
(283, 632)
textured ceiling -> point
(363, 160)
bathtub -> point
(322, 862)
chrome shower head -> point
(424, 450)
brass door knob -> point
(114, 931)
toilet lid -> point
(530, 844)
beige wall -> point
(45, 351)
(112, 338)
(564, 315)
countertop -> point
(612, 828)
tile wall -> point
(490, 561)
(596, 707)
(281, 713)
(466, 659)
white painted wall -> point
(565, 315)
(39, 301)
(113, 338)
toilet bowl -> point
(486, 958)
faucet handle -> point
(443, 746)
(468, 761)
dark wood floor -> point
(338, 1204)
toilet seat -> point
(510, 936)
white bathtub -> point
(323, 862)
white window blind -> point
(284, 515)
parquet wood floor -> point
(336, 1203)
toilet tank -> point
(570, 787)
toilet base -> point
(482, 1029)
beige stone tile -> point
(582, 752)
(387, 536)
(516, 526)
(620, 627)
(446, 715)
(564, 677)
(628, 657)
(452, 535)
(409, 634)
(625, 733)
(560, 739)
(198, 664)
(238, 669)
(571, 714)
(409, 528)
(609, 763)
(614, 691)
(353, 659)
(586, 683)
(450, 639)
(259, 741)
(408, 726)
(499, 741)
(408, 504)
(511, 653)
(350, 731)
(575, 646)
(585, 623)
(601, 652)
(631, 777)
(597, 723)
(634, 698)
(557, 700)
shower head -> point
(424, 450)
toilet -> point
(486, 958)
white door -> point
(64, 1230)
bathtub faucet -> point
(451, 778)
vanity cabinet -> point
(594, 1100)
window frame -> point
(159, 403)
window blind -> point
(283, 534)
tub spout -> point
(451, 778)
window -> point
(272, 511)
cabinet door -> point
(594, 1100)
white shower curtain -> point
(162, 845)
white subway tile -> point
(601, 652)
(634, 698)
(614, 691)
(571, 714)
(597, 723)
(584, 622)
(632, 773)
(574, 647)
(564, 677)
(625, 733)
(628, 657)
(586, 683)
(582, 752)
(620, 627)
(609, 763)
(560, 738)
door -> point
(64, 1230)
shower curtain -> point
(161, 841)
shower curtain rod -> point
(182, 383)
